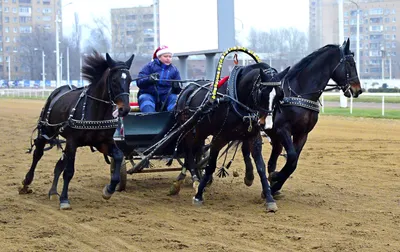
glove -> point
(154, 77)
(176, 87)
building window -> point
(25, 1)
(393, 28)
(130, 17)
(46, 18)
(393, 11)
(25, 9)
(6, 9)
(15, 30)
(387, 20)
(46, 10)
(25, 29)
(377, 11)
(14, 10)
(148, 16)
(394, 37)
(394, 20)
(393, 44)
(7, 39)
(6, 29)
(15, 20)
(46, 2)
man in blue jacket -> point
(156, 90)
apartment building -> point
(21, 17)
(379, 32)
(132, 31)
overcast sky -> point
(259, 14)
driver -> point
(155, 91)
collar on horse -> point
(240, 109)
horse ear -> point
(128, 63)
(110, 61)
(283, 73)
(347, 46)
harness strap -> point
(300, 102)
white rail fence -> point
(35, 93)
(39, 93)
(351, 106)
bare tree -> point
(99, 36)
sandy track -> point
(344, 196)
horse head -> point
(345, 72)
(269, 93)
(118, 83)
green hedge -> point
(384, 90)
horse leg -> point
(275, 152)
(249, 175)
(256, 153)
(118, 156)
(176, 185)
(58, 169)
(210, 169)
(70, 153)
(293, 149)
(40, 142)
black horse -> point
(298, 111)
(247, 97)
(84, 117)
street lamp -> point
(43, 70)
(58, 47)
(358, 38)
(383, 62)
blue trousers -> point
(147, 102)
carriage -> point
(137, 135)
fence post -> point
(351, 104)
(383, 105)
(322, 103)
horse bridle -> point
(259, 86)
(344, 58)
(111, 95)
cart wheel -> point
(123, 175)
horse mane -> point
(94, 68)
(249, 68)
(303, 63)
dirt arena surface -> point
(344, 196)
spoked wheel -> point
(123, 175)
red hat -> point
(161, 50)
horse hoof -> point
(54, 196)
(25, 190)
(197, 202)
(119, 188)
(65, 206)
(273, 177)
(248, 182)
(235, 174)
(106, 194)
(272, 207)
(175, 188)
(196, 186)
(277, 195)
